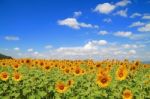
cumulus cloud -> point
(102, 32)
(48, 46)
(122, 13)
(89, 48)
(35, 52)
(77, 13)
(135, 24)
(123, 33)
(123, 3)
(105, 8)
(146, 17)
(145, 28)
(12, 38)
(30, 50)
(139, 36)
(95, 43)
(95, 49)
(16, 48)
(107, 20)
(135, 15)
(132, 52)
(73, 23)
(129, 46)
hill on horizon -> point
(5, 57)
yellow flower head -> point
(4, 76)
(127, 94)
(17, 76)
(61, 87)
(121, 73)
(103, 80)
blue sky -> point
(75, 29)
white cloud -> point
(131, 52)
(123, 33)
(89, 48)
(16, 48)
(48, 46)
(123, 3)
(107, 20)
(73, 23)
(105, 8)
(103, 32)
(122, 13)
(85, 25)
(135, 15)
(30, 50)
(95, 49)
(95, 44)
(139, 36)
(135, 24)
(129, 46)
(12, 38)
(36, 53)
(145, 28)
(146, 17)
(77, 13)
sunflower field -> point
(74, 79)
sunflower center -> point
(67, 71)
(103, 80)
(47, 67)
(77, 71)
(16, 66)
(61, 87)
(127, 94)
(17, 76)
(41, 63)
(27, 61)
(4, 75)
(98, 65)
(121, 74)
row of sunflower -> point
(74, 79)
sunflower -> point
(67, 70)
(4, 76)
(61, 87)
(103, 80)
(28, 61)
(15, 66)
(17, 76)
(98, 65)
(3, 64)
(47, 67)
(77, 71)
(121, 73)
(127, 94)
(41, 63)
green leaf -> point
(32, 97)
(26, 91)
(5, 97)
(42, 93)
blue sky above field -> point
(75, 29)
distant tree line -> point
(5, 57)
